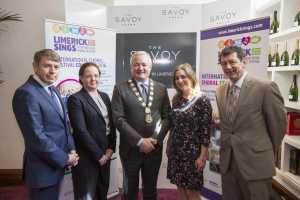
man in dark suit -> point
(41, 116)
(253, 123)
(140, 113)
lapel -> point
(61, 103)
(108, 107)
(223, 97)
(92, 103)
(43, 92)
(104, 101)
(243, 95)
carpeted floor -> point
(13, 193)
(163, 194)
(20, 193)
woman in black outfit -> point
(94, 135)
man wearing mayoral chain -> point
(140, 113)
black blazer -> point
(89, 127)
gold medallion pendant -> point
(147, 106)
(148, 118)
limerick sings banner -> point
(79, 44)
(252, 36)
(76, 45)
(167, 50)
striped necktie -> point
(233, 97)
(144, 91)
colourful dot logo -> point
(244, 41)
(74, 30)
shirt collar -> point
(43, 84)
(144, 82)
(93, 94)
(239, 82)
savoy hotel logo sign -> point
(128, 20)
(175, 13)
(223, 17)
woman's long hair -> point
(190, 73)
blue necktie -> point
(54, 99)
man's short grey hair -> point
(138, 53)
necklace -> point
(147, 105)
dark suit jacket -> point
(257, 130)
(46, 135)
(91, 141)
(89, 127)
(129, 115)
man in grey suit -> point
(140, 112)
(253, 123)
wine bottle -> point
(270, 57)
(275, 24)
(296, 54)
(284, 59)
(297, 18)
(276, 58)
(294, 163)
(293, 93)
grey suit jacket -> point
(129, 115)
(257, 130)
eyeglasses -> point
(230, 62)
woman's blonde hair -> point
(190, 73)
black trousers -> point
(148, 165)
(89, 185)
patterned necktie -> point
(233, 97)
(54, 99)
(144, 91)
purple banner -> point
(246, 27)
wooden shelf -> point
(292, 105)
(286, 183)
(293, 140)
(295, 68)
(286, 34)
(295, 179)
(289, 181)
(283, 188)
